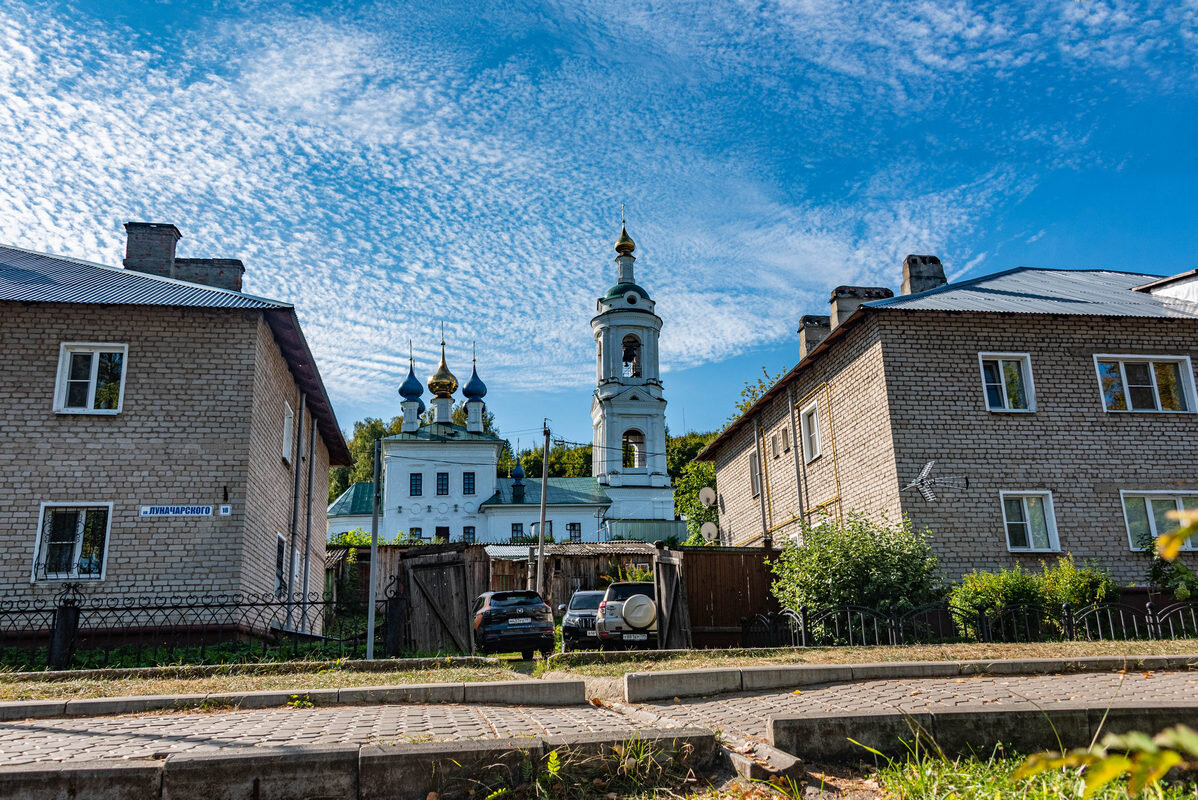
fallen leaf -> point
(797, 691)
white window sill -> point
(1011, 410)
(99, 412)
(1144, 411)
(69, 579)
(814, 458)
(1030, 551)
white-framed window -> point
(72, 541)
(1145, 383)
(280, 565)
(1030, 522)
(809, 432)
(1144, 514)
(754, 472)
(91, 378)
(786, 441)
(775, 445)
(288, 431)
(1007, 381)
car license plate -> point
(636, 637)
(592, 633)
(519, 621)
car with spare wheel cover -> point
(513, 621)
(578, 620)
(627, 616)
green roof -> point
(442, 432)
(356, 501)
(562, 492)
(621, 289)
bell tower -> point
(628, 412)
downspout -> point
(295, 499)
(308, 525)
(758, 440)
(800, 488)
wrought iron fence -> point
(941, 623)
(78, 631)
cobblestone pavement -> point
(150, 735)
(746, 714)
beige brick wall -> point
(1069, 446)
(186, 435)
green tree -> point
(361, 448)
(694, 477)
(681, 450)
(753, 392)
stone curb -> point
(263, 668)
(389, 770)
(515, 693)
(641, 687)
(977, 729)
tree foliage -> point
(687, 486)
(754, 390)
(855, 561)
(361, 448)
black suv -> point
(512, 621)
(578, 624)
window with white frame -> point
(775, 445)
(1146, 516)
(91, 378)
(1007, 381)
(72, 541)
(754, 472)
(809, 432)
(1145, 383)
(280, 565)
(1029, 521)
(288, 431)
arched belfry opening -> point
(631, 349)
(633, 447)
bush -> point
(1064, 582)
(854, 561)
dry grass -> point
(15, 689)
(622, 663)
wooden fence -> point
(723, 585)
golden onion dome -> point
(625, 245)
(442, 383)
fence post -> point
(66, 627)
(804, 632)
(893, 622)
(983, 628)
(771, 628)
(1067, 622)
(1154, 628)
(393, 626)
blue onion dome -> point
(411, 389)
(518, 472)
(474, 389)
(420, 408)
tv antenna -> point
(925, 483)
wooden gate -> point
(438, 592)
(673, 612)
(725, 584)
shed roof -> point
(356, 501)
(519, 552)
(562, 492)
(30, 277)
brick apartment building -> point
(1063, 399)
(165, 434)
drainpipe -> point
(308, 523)
(760, 440)
(794, 451)
(295, 499)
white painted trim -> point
(1029, 383)
(60, 382)
(1123, 493)
(288, 431)
(811, 408)
(754, 464)
(1187, 382)
(37, 540)
(1050, 519)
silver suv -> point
(627, 616)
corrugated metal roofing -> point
(29, 277)
(519, 552)
(356, 501)
(1046, 291)
(442, 432)
(562, 492)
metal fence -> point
(73, 630)
(941, 624)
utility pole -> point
(541, 527)
(374, 550)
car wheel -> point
(526, 655)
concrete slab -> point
(977, 730)
(1122, 717)
(826, 737)
(695, 747)
(755, 679)
(388, 771)
(99, 706)
(271, 699)
(94, 780)
(299, 773)
(32, 709)
(410, 693)
(527, 693)
(890, 670)
(642, 686)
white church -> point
(440, 480)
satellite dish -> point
(709, 531)
(707, 496)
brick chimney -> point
(150, 248)
(921, 273)
(846, 299)
(813, 329)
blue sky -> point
(386, 167)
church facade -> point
(440, 479)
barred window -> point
(72, 542)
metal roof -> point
(1047, 291)
(356, 501)
(29, 277)
(442, 432)
(562, 492)
(519, 552)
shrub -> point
(854, 561)
(1064, 582)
